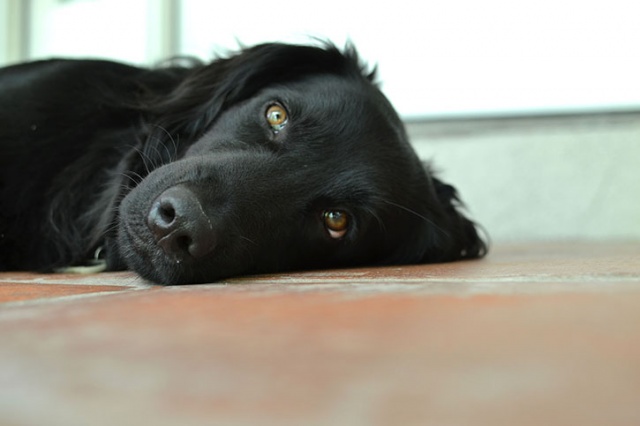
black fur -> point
(177, 174)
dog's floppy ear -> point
(460, 239)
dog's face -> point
(314, 173)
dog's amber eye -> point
(277, 117)
(336, 222)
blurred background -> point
(530, 108)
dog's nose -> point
(180, 225)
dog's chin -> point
(163, 271)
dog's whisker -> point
(174, 143)
(415, 213)
(131, 176)
(247, 239)
(159, 150)
(379, 220)
(144, 158)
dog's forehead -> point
(332, 92)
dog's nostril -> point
(183, 242)
(166, 212)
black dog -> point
(281, 157)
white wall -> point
(567, 178)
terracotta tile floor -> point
(532, 335)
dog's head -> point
(288, 157)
